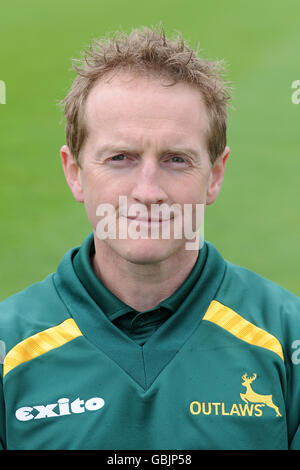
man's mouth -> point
(149, 220)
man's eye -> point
(177, 159)
(118, 158)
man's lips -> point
(148, 220)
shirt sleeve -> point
(295, 444)
(293, 390)
(2, 413)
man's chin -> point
(146, 251)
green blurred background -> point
(256, 220)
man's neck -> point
(142, 286)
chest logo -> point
(253, 397)
(252, 406)
(61, 408)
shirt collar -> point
(111, 305)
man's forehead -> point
(146, 100)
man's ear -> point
(72, 173)
(216, 177)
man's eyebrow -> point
(186, 150)
(112, 148)
(122, 147)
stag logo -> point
(253, 397)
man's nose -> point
(149, 185)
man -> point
(138, 341)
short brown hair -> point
(148, 51)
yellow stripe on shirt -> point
(40, 343)
(235, 324)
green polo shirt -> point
(139, 326)
(221, 373)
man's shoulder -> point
(34, 309)
(256, 286)
(240, 281)
(260, 301)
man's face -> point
(147, 143)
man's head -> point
(148, 52)
(141, 117)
